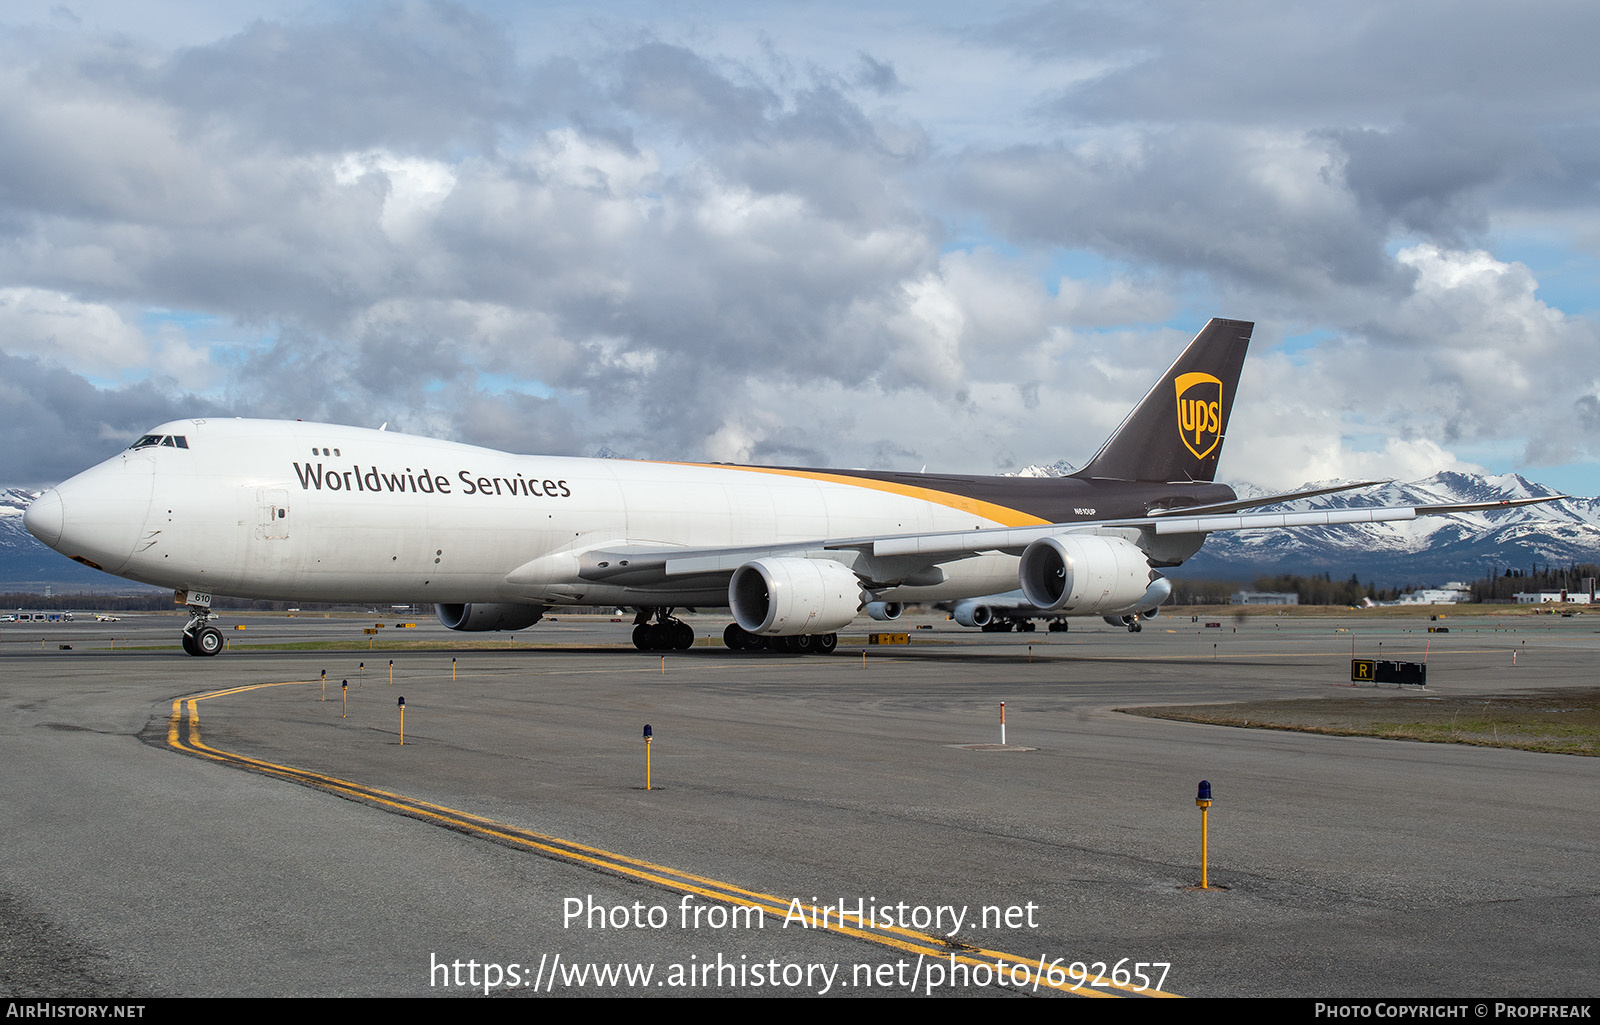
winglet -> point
(1176, 432)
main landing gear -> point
(198, 638)
(665, 634)
(655, 629)
(737, 638)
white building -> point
(1452, 593)
(1265, 598)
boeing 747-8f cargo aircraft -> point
(314, 512)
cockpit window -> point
(161, 441)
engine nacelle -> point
(789, 597)
(1084, 573)
(885, 611)
(971, 613)
(479, 615)
(1159, 591)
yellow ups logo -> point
(1199, 413)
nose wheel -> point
(198, 638)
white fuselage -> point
(302, 511)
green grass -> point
(1554, 722)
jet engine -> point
(1084, 573)
(971, 613)
(489, 615)
(790, 597)
(885, 611)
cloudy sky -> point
(953, 235)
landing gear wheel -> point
(801, 644)
(733, 637)
(208, 641)
(1135, 626)
(188, 645)
(826, 643)
(664, 634)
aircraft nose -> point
(43, 518)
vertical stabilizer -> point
(1176, 432)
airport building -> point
(1450, 594)
(1265, 598)
(1540, 597)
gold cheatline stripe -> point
(905, 940)
(988, 510)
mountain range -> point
(1427, 551)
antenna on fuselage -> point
(385, 426)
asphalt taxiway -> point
(145, 857)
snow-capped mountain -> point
(1427, 550)
(1462, 546)
(1059, 468)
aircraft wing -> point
(1014, 539)
(644, 564)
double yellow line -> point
(183, 734)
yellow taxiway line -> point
(183, 734)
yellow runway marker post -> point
(647, 735)
(1203, 802)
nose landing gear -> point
(198, 638)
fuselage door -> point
(274, 522)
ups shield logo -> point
(1199, 413)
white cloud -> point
(705, 233)
(1469, 356)
(89, 337)
(96, 340)
(416, 188)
